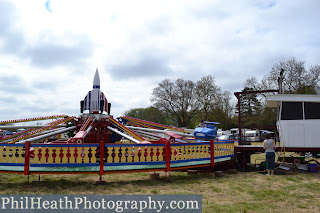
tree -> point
(268, 117)
(250, 104)
(186, 103)
(290, 76)
(223, 110)
(177, 99)
(213, 104)
(293, 78)
(225, 103)
(149, 114)
(208, 95)
(250, 108)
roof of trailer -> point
(274, 100)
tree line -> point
(184, 103)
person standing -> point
(269, 145)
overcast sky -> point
(50, 49)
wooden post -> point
(101, 158)
(244, 161)
(101, 163)
(168, 156)
(26, 157)
(212, 153)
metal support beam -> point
(238, 95)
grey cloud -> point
(50, 54)
(10, 107)
(265, 4)
(7, 12)
(4, 100)
(6, 112)
(160, 25)
(210, 12)
(148, 66)
(14, 110)
(13, 84)
(47, 85)
(49, 50)
(38, 107)
(12, 41)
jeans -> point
(270, 157)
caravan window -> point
(291, 111)
(311, 110)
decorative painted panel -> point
(12, 154)
(132, 153)
(189, 151)
(223, 149)
(63, 154)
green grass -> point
(242, 192)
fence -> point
(86, 158)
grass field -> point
(242, 192)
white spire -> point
(96, 80)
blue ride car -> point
(209, 132)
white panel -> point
(292, 133)
(296, 135)
(283, 134)
(312, 130)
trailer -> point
(298, 119)
(298, 124)
(252, 135)
(223, 132)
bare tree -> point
(208, 95)
(254, 84)
(289, 76)
(293, 77)
(186, 103)
(177, 99)
(226, 104)
(313, 78)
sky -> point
(50, 49)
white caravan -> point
(298, 119)
(223, 132)
(252, 135)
